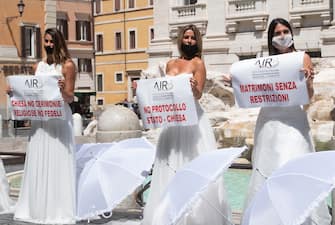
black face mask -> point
(189, 50)
(48, 50)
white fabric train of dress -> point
(281, 134)
(6, 203)
(48, 189)
(176, 146)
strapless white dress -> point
(281, 134)
(176, 146)
(47, 193)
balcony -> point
(302, 12)
(246, 15)
(84, 82)
(188, 14)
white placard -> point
(35, 98)
(166, 101)
(270, 81)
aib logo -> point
(267, 62)
(33, 83)
(163, 85)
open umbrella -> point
(86, 152)
(112, 175)
(293, 191)
(189, 184)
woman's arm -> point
(199, 78)
(66, 85)
(227, 80)
(309, 74)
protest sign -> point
(270, 81)
(166, 101)
(35, 98)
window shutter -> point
(89, 65)
(23, 42)
(65, 31)
(88, 30)
(97, 6)
(117, 5)
(101, 43)
(38, 43)
(77, 30)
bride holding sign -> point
(180, 144)
(280, 83)
(47, 194)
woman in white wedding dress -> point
(47, 194)
(283, 133)
(180, 144)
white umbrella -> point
(112, 175)
(190, 182)
(293, 191)
(86, 152)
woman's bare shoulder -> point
(69, 67)
(197, 62)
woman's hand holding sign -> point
(9, 90)
(309, 74)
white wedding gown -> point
(281, 134)
(176, 146)
(47, 193)
(6, 203)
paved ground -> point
(118, 218)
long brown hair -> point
(61, 52)
(272, 27)
(197, 36)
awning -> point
(80, 93)
(83, 16)
(62, 15)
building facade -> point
(237, 29)
(74, 19)
(20, 42)
(123, 31)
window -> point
(131, 4)
(132, 39)
(118, 78)
(83, 30)
(31, 42)
(151, 2)
(190, 2)
(62, 26)
(118, 43)
(117, 5)
(152, 34)
(100, 43)
(244, 57)
(314, 54)
(97, 6)
(100, 102)
(99, 82)
(84, 65)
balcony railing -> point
(300, 10)
(85, 81)
(309, 2)
(187, 14)
(246, 11)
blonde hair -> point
(197, 36)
